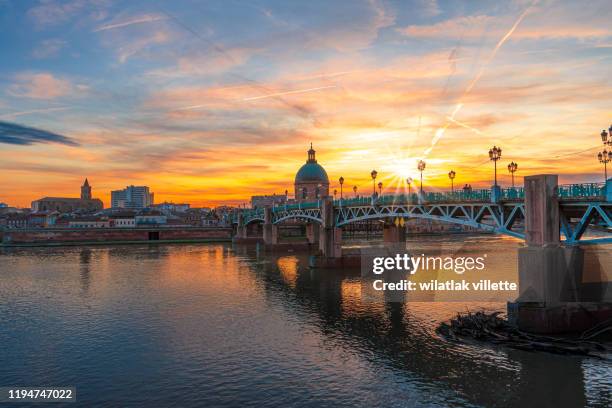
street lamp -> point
(355, 191)
(380, 188)
(451, 176)
(512, 167)
(421, 167)
(604, 136)
(409, 182)
(341, 180)
(374, 173)
(335, 192)
(605, 157)
(495, 155)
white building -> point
(132, 197)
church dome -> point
(311, 171)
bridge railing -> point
(578, 191)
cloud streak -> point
(147, 18)
(12, 133)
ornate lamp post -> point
(451, 176)
(605, 157)
(335, 192)
(604, 136)
(495, 155)
(355, 191)
(409, 182)
(380, 188)
(341, 180)
(512, 167)
(374, 173)
(421, 167)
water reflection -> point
(212, 325)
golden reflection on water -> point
(288, 268)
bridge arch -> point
(254, 219)
(297, 216)
(445, 219)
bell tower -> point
(86, 191)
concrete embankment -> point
(92, 236)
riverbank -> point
(101, 236)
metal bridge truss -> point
(504, 218)
(484, 216)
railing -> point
(577, 191)
(565, 191)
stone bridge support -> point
(241, 229)
(312, 232)
(394, 233)
(270, 231)
(550, 274)
(330, 237)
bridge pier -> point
(241, 235)
(550, 274)
(609, 190)
(270, 231)
(394, 233)
(312, 233)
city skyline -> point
(211, 103)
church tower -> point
(86, 191)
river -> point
(214, 326)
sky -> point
(210, 102)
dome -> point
(311, 172)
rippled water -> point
(210, 325)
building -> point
(311, 181)
(134, 197)
(3, 205)
(150, 219)
(268, 200)
(88, 222)
(122, 220)
(68, 204)
(167, 207)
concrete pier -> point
(312, 233)
(551, 296)
(394, 233)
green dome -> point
(311, 172)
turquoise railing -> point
(588, 190)
(565, 191)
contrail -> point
(253, 98)
(494, 52)
(440, 132)
(455, 121)
(137, 20)
(15, 114)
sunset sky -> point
(210, 102)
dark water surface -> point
(214, 326)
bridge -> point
(555, 222)
(579, 206)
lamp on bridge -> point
(335, 192)
(341, 180)
(409, 182)
(374, 173)
(451, 176)
(604, 136)
(605, 157)
(495, 154)
(512, 167)
(421, 167)
(355, 191)
(380, 188)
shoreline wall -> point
(77, 236)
